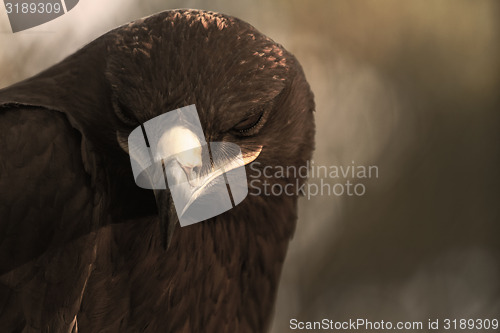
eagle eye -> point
(249, 125)
(124, 113)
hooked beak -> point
(199, 189)
(191, 169)
(182, 165)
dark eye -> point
(124, 113)
(246, 126)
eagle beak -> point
(191, 170)
(182, 170)
(216, 170)
(178, 158)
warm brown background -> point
(410, 86)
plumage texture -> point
(81, 243)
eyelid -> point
(124, 113)
(256, 118)
(253, 127)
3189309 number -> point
(470, 324)
(33, 8)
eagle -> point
(83, 248)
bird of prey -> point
(82, 247)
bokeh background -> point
(412, 87)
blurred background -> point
(412, 87)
